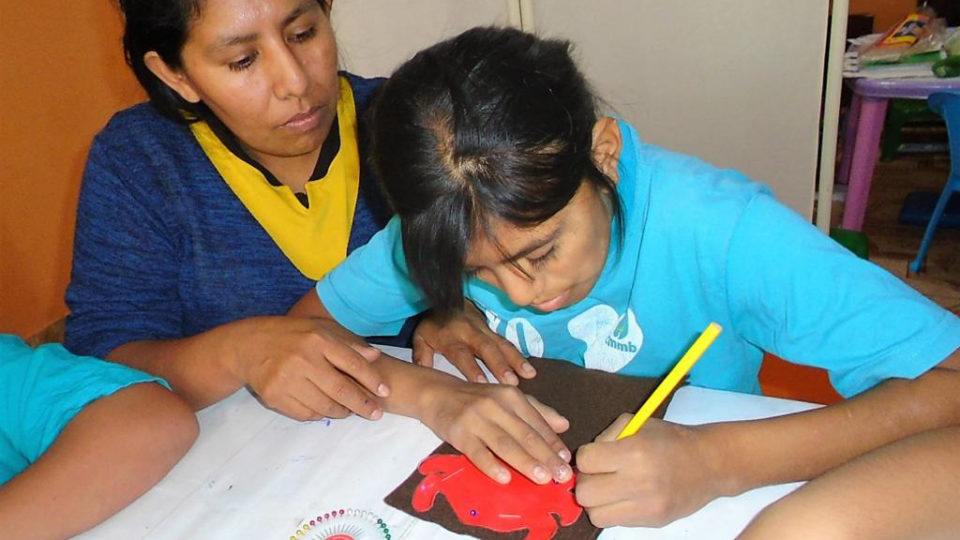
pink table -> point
(862, 134)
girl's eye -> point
(538, 262)
(243, 63)
(300, 37)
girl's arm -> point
(107, 456)
(484, 421)
(907, 489)
(668, 471)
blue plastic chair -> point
(947, 104)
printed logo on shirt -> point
(612, 340)
(519, 331)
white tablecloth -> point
(255, 474)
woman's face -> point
(552, 265)
(267, 69)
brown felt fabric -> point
(590, 399)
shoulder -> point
(682, 193)
(364, 89)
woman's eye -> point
(300, 37)
(243, 63)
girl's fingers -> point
(485, 461)
(463, 359)
(513, 357)
(539, 441)
(491, 355)
(507, 446)
(556, 423)
(422, 352)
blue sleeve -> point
(798, 294)
(42, 390)
(370, 293)
(123, 285)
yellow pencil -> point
(671, 380)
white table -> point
(255, 474)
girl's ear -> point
(176, 79)
(607, 144)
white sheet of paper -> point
(256, 474)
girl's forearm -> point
(745, 455)
(903, 490)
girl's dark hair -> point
(494, 124)
(162, 26)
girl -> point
(580, 242)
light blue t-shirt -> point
(41, 390)
(700, 244)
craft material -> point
(517, 506)
(670, 382)
(590, 399)
(343, 524)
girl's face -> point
(267, 69)
(552, 265)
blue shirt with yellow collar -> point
(178, 231)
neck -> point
(292, 171)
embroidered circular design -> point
(343, 524)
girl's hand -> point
(308, 369)
(464, 338)
(650, 479)
(487, 422)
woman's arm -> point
(107, 456)
(907, 489)
(669, 471)
(303, 368)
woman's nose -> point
(289, 77)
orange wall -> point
(886, 13)
(61, 77)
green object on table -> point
(900, 113)
(855, 241)
(948, 67)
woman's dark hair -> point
(161, 26)
(494, 124)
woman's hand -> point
(650, 479)
(487, 422)
(464, 338)
(308, 368)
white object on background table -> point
(256, 474)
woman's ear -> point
(176, 79)
(607, 143)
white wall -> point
(374, 36)
(736, 82)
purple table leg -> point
(849, 138)
(869, 127)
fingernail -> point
(563, 473)
(510, 378)
(383, 390)
(540, 474)
(503, 476)
(527, 368)
(376, 414)
(565, 455)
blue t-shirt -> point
(700, 244)
(41, 390)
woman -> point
(201, 213)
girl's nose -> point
(519, 288)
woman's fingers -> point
(350, 362)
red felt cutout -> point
(479, 501)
